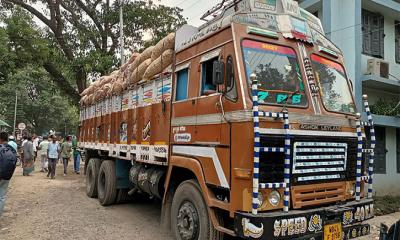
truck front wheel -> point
(92, 171)
(107, 183)
(189, 214)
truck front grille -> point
(315, 161)
(317, 194)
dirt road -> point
(38, 208)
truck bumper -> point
(335, 222)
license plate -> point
(333, 231)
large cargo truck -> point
(250, 129)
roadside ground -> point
(38, 208)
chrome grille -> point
(319, 160)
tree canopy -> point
(84, 35)
(51, 49)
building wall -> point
(389, 183)
(342, 23)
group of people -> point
(48, 149)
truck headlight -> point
(274, 198)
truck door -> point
(184, 106)
(209, 116)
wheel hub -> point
(188, 221)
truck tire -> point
(107, 183)
(93, 167)
(189, 214)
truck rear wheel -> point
(92, 171)
(189, 214)
(107, 183)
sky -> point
(192, 9)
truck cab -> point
(252, 131)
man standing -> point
(12, 143)
(28, 164)
(77, 159)
(43, 146)
(53, 153)
(8, 161)
(35, 141)
(66, 149)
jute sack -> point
(146, 54)
(84, 92)
(90, 99)
(117, 86)
(159, 64)
(83, 100)
(108, 89)
(138, 73)
(132, 58)
(164, 44)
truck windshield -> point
(277, 71)
(332, 81)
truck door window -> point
(335, 90)
(231, 92)
(278, 73)
(182, 78)
(207, 86)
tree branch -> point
(61, 82)
(95, 20)
(77, 24)
(32, 10)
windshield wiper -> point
(285, 101)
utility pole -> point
(15, 113)
(121, 28)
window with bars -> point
(380, 150)
(373, 34)
(397, 41)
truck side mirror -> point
(218, 73)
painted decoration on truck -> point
(148, 94)
(290, 226)
(125, 101)
(146, 132)
(251, 230)
(134, 98)
(116, 103)
(260, 20)
(92, 111)
(123, 137)
(315, 223)
(109, 105)
(269, 5)
(98, 109)
(164, 89)
(81, 114)
(104, 105)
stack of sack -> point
(145, 66)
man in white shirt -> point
(35, 145)
(53, 153)
(43, 146)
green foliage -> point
(80, 39)
(48, 59)
(387, 107)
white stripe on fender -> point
(208, 152)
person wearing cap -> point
(12, 143)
